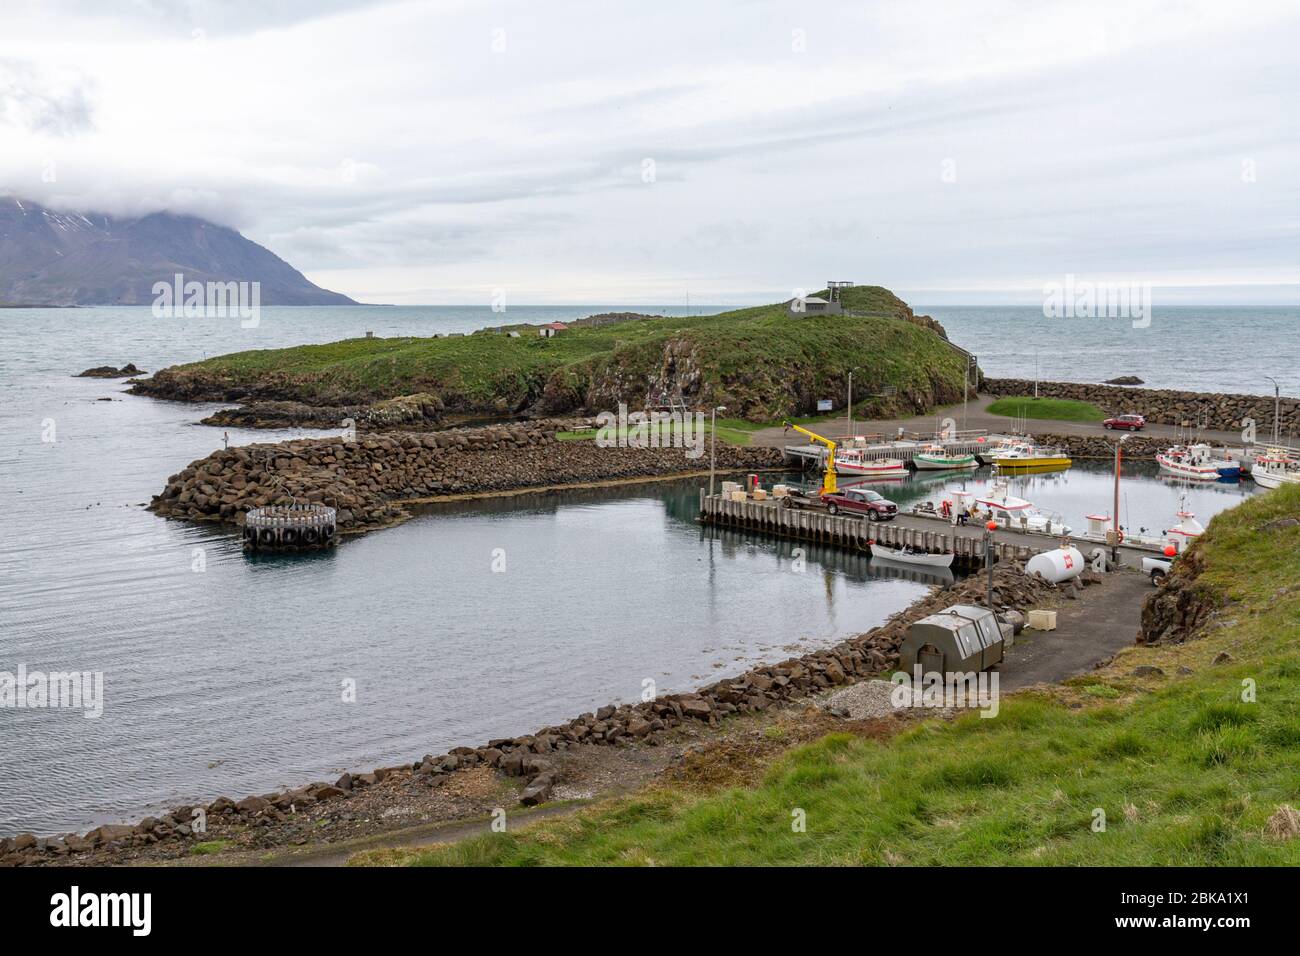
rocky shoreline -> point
(414, 412)
(108, 371)
(1223, 412)
(535, 760)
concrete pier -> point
(853, 533)
(921, 532)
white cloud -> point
(412, 152)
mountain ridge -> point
(53, 258)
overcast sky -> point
(574, 152)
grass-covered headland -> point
(762, 363)
(1197, 763)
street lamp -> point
(713, 443)
(1114, 522)
(1277, 406)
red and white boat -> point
(1275, 468)
(852, 461)
(1196, 462)
(1188, 529)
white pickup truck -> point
(1157, 569)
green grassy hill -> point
(760, 362)
(1196, 764)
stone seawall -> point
(1164, 406)
(367, 479)
(1138, 446)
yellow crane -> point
(829, 487)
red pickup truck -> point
(1134, 423)
(861, 501)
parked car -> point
(861, 501)
(1134, 423)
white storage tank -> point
(1057, 565)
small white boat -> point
(852, 461)
(938, 458)
(1006, 508)
(1196, 462)
(1275, 468)
(909, 556)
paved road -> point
(976, 416)
(1103, 621)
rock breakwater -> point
(1137, 446)
(1224, 412)
(369, 478)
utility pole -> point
(1114, 522)
(965, 393)
(1277, 406)
(713, 443)
(988, 562)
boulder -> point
(109, 833)
(252, 805)
(539, 790)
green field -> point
(1187, 769)
(761, 363)
(1058, 409)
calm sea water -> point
(1200, 349)
(230, 679)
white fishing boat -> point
(1015, 513)
(938, 458)
(853, 461)
(1275, 468)
(1196, 462)
(1184, 531)
(909, 556)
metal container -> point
(960, 638)
(1057, 565)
